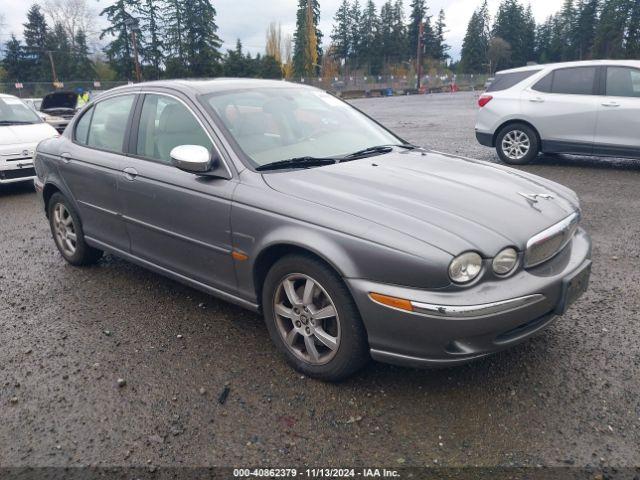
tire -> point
(66, 229)
(345, 330)
(522, 137)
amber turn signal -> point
(392, 302)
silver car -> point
(586, 108)
(287, 201)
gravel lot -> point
(570, 396)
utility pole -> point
(419, 56)
(53, 67)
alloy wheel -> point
(64, 229)
(516, 144)
(307, 319)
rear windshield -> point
(508, 80)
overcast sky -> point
(248, 19)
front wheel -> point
(517, 144)
(313, 319)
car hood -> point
(455, 204)
(24, 134)
(59, 100)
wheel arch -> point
(514, 121)
(47, 192)
(274, 252)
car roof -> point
(203, 86)
(583, 63)
(5, 95)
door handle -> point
(130, 173)
(66, 157)
(536, 100)
(611, 104)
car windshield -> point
(274, 124)
(14, 112)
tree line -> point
(178, 38)
(581, 30)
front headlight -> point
(505, 261)
(464, 268)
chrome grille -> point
(547, 244)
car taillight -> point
(484, 99)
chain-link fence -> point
(346, 86)
(40, 89)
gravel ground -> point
(567, 397)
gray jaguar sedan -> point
(281, 198)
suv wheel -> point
(517, 144)
(67, 233)
(313, 319)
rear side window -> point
(109, 123)
(82, 127)
(504, 81)
(544, 85)
(623, 82)
(574, 81)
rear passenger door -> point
(563, 106)
(177, 220)
(618, 130)
(92, 164)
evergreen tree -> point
(82, 66)
(14, 59)
(398, 37)
(387, 46)
(568, 30)
(475, 45)
(35, 39)
(440, 48)
(370, 38)
(356, 18)
(270, 68)
(201, 42)
(529, 35)
(60, 44)
(173, 13)
(610, 34)
(235, 62)
(307, 39)
(151, 23)
(418, 15)
(342, 30)
(586, 23)
(510, 19)
(119, 50)
(633, 33)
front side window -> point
(574, 81)
(273, 124)
(503, 81)
(109, 123)
(82, 127)
(165, 123)
(623, 82)
(14, 111)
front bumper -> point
(11, 174)
(453, 327)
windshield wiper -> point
(15, 122)
(377, 150)
(300, 162)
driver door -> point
(176, 220)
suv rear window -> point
(504, 81)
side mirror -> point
(192, 158)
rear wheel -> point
(517, 144)
(68, 234)
(313, 319)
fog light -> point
(505, 261)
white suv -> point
(584, 108)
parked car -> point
(590, 108)
(61, 104)
(58, 123)
(285, 200)
(20, 131)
